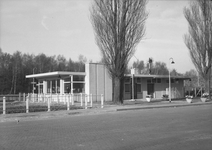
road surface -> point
(188, 128)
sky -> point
(63, 27)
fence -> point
(49, 101)
(14, 97)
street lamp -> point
(33, 82)
(171, 61)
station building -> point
(96, 81)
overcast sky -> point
(63, 27)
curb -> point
(46, 115)
(163, 106)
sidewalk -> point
(108, 107)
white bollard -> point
(72, 99)
(91, 100)
(81, 99)
(48, 104)
(86, 101)
(58, 98)
(4, 105)
(27, 104)
(102, 101)
(68, 103)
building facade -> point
(96, 81)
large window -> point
(78, 88)
(67, 87)
(139, 88)
(127, 87)
(78, 78)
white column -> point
(44, 87)
(61, 86)
(72, 86)
(56, 86)
(4, 105)
(51, 87)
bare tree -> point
(119, 25)
(199, 39)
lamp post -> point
(33, 82)
(172, 62)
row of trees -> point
(14, 68)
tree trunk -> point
(209, 83)
(206, 83)
(117, 91)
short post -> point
(4, 105)
(102, 101)
(19, 98)
(23, 97)
(58, 98)
(27, 104)
(91, 100)
(68, 103)
(81, 98)
(72, 99)
(50, 97)
(33, 97)
(64, 98)
(48, 104)
(86, 98)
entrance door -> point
(150, 89)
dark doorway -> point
(150, 89)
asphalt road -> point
(183, 128)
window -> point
(78, 78)
(127, 88)
(139, 88)
(153, 80)
(138, 80)
(149, 80)
(78, 88)
(172, 81)
(127, 80)
(158, 80)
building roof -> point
(157, 76)
(57, 74)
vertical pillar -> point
(91, 100)
(86, 97)
(58, 98)
(51, 86)
(24, 97)
(4, 105)
(102, 101)
(19, 98)
(132, 86)
(56, 86)
(44, 87)
(27, 104)
(61, 87)
(68, 102)
(48, 99)
(72, 99)
(71, 84)
(81, 99)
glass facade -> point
(75, 84)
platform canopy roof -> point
(56, 74)
(158, 76)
